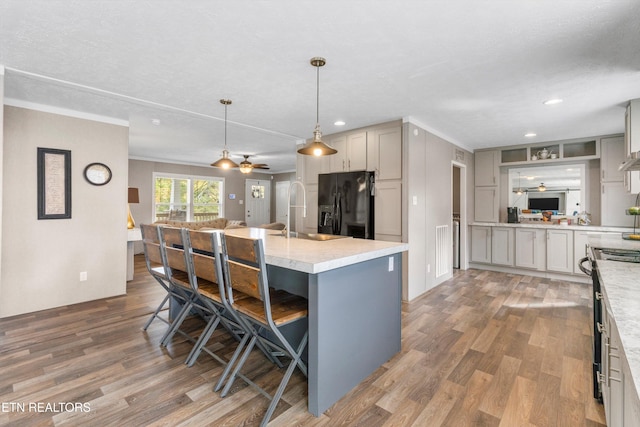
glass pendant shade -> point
(541, 187)
(245, 168)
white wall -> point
(42, 259)
(429, 180)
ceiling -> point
(475, 73)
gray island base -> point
(354, 289)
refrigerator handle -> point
(339, 213)
(372, 183)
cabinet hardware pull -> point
(601, 379)
(601, 328)
(598, 296)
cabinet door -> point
(388, 209)
(357, 151)
(502, 250)
(530, 248)
(338, 161)
(310, 222)
(486, 168)
(384, 153)
(486, 204)
(632, 143)
(613, 201)
(560, 251)
(613, 378)
(611, 155)
(312, 167)
(580, 240)
(481, 244)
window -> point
(187, 198)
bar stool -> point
(263, 311)
(155, 265)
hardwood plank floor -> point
(482, 349)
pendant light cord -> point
(225, 126)
(317, 94)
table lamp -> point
(132, 197)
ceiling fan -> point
(246, 166)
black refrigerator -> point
(345, 204)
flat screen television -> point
(546, 204)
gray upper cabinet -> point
(487, 169)
(352, 152)
(611, 155)
(384, 153)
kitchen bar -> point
(354, 290)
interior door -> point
(258, 202)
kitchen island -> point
(620, 285)
(354, 291)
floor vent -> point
(443, 250)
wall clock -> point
(97, 173)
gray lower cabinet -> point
(481, 244)
(531, 247)
(502, 246)
(560, 251)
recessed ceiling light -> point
(553, 101)
(530, 134)
(339, 123)
(155, 122)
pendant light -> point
(316, 147)
(519, 190)
(541, 187)
(225, 162)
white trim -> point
(413, 120)
(1, 70)
(64, 112)
(140, 101)
(191, 178)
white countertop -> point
(589, 228)
(311, 256)
(620, 281)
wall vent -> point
(443, 250)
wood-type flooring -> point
(482, 349)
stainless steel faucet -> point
(287, 231)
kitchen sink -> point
(312, 236)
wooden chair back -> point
(202, 253)
(173, 247)
(244, 267)
(151, 245)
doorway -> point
(258, 201)
(459, 215)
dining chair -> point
(264, 313)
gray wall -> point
(428, 160)
(141, 177)
(42, 259)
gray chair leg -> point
(202, 340)
(155, 313)
(175, 325)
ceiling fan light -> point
(541, 187)
(245, 168)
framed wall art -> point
(54, 183)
